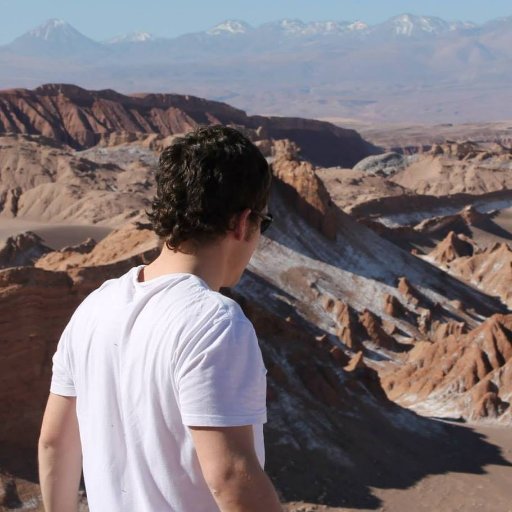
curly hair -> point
(203, 179)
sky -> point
(102, 19)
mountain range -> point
(408, 68)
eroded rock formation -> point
(466, 374)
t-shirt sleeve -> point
(62, 380)
(221, 380)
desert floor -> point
(54, 235)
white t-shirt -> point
(145, 360)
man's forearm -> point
(59, 476)
(246, 491)
(60, 455)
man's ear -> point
(241, 225)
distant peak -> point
(51, 24)
(358, 25)
(50, 27)
(292, 25)
(133, 37)
(230, 27)
(406, 24)
(291, 22)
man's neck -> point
(206, 263)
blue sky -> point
(100, 19)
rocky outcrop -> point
(393, 307)
(349, 331)
(473, 217)
(348, 327)
(22, 250)
(452, 247)
(376, 333)
(304, 189)
(409, 292)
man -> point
(158, 380)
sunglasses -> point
(266, 220)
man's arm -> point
(60, 455)
(232, 470)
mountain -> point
(230, 27)
(54, 30)
(133, 37)
(295, 27)
(54, 39)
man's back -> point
(146, 360)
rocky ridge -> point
(81, 119)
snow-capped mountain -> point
(54, 38)
(52, 30)
(295, 27)
(288, 27)
(358, 25)
(230, 27)
(132, 37)
(409, 25)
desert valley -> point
(381, 296)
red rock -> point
(375, 331)
(451, 248)
(393, 307)
(305, 191)
(408, 291)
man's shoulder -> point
(105, 293)
(222, 307)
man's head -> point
(210, 183)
